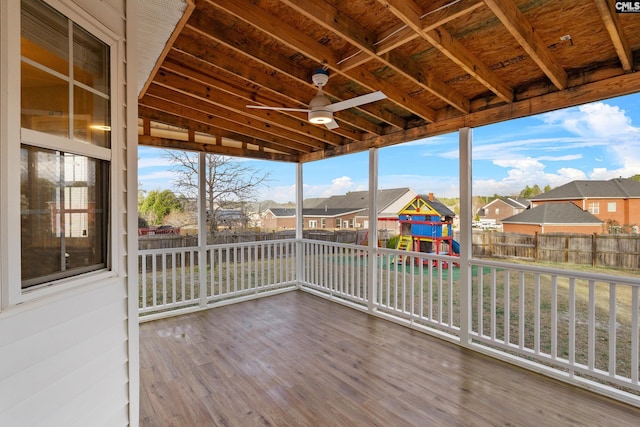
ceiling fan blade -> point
(263, 107)
(358, 100)
(332, 124)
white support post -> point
(202, 229)
(372, 232)
(465, 141)
(299, 226)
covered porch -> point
(297, 359)
(304, 332)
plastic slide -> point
(456, 246)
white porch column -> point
(466, 214)
(372, 232)
(299, 226)
(202, 229)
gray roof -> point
(517, 202)
(614, 188)
(436, 204)
(553, 213)
(356, 200)
(285, 212)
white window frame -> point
(313, 223)
(612, 207)
(594, 208)
(11, 138)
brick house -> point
(348, 211)
(502, 207)
(616, 202)
(558, 217)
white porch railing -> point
(579, 327)
(583, 325)
(169, 279)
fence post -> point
(594, 249)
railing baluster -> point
(507, 307)
(635, 337)
(613, 317)
(522, 313)
(591, 354)
(554, 317)
(493, 304)
(572, 323)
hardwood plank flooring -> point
(295, 359)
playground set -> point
(426, 226)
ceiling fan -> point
(320, 108)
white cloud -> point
(604, 127)
(340, 185)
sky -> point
(596, 141)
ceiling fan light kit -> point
(320, 117)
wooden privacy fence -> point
(165, 241)
(601, 250)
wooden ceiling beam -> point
(221, 94)
(520, 28)
(206, 26)
(220, 117)
(272, 85)
(300, 42)
(410, 13)
(330, 18)
(193, 119)
(239, 96)
(402, 34)
(618, 38)
(619, 85)
(193, 122)
(160, 142)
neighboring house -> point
(563, 217)
(230, 219)
(502, 207)
(348, 211)
(616, 201)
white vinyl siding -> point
(65, 355)
(70, 369)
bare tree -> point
(228, 183)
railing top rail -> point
(599, 277)
(161, 251)
(336, 244)
(249, 244)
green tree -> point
(158, 204)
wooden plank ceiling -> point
(442, 65)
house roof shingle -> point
(553, 213)
(613, 188)
(436, 204)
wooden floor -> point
(298, 360)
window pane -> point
(91, 118)
(63, 214)
(45, 36)
(90, 60)
(45, 102)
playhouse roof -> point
(426, 205)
